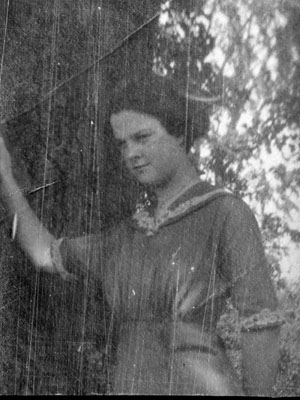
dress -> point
(167, 282)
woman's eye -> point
(121, 145)
(142, 138)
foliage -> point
(288, 382)
(239, 50)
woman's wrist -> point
(7, 183)
(10, 192)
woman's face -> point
(151, 154)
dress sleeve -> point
(77, 257)
(244, 264)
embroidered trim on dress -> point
(58, 262)
(151, 224)
(261, 320)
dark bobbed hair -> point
(162, 98)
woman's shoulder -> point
(231, 207)
(236, 208)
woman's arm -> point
(253, 295)
(33, 237)
(260, 356)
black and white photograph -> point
(150, 197)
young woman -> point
(167, 271)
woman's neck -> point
(167, 193)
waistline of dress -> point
(178, 335)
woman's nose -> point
(131, 152)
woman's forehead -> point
(129, 122)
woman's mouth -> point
(140, 167)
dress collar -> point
(192, 197)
